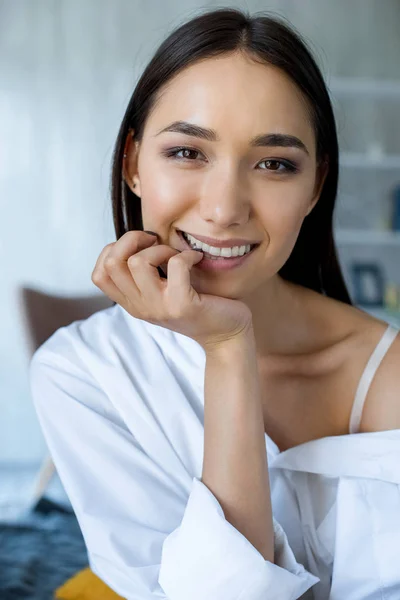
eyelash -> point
(289, 166)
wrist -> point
(241, 342)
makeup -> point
(219, 264)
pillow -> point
(85, 585)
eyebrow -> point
(210, 135)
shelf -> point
(374, 88)
(360, 160)
(367, 236)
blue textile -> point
(38, 553)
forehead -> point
(235, 96)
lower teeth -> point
(211, 257)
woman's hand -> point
(126, 271)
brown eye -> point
(272, 165)
(187, 152)
(278, 166)
(184, 152)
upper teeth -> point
(226, 252)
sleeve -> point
(147, 534)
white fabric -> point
(121, 404)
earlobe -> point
(129, 165)
(136, 187)
(133, 184)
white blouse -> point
(121, 405)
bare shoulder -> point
(382, 405)
(381, 410)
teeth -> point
(213, 251)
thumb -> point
(194, 255)
(179, 273)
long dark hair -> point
(313, 262)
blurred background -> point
(67, 71)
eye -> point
(173, 153)
(273, 164)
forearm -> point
(235, 465)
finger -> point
(131, 243)
(179, 287)
(115, 261)
(101, 279)
(143, 268)
(111, 290)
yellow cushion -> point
(85, 585)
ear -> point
(322, 172)
(130, 162)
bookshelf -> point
(375, 159)
(372, 165)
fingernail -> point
(150, 232)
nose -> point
(224, 201)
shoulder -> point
(361, 333)
(115, 373)
(112, 349)
(108, 332)
(91, 366)
(382, 405)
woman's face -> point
(228, 187)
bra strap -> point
(367, 376)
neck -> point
(280, 319)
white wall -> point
(67, 70)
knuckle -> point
(134, 260)
(132, 235)
(110, 262)
(106, 250)
(96, 277)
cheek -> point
(282, 230)
(164, 196)
(282, 211)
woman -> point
(208, 428)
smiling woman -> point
(271, 143)
(201, 425)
